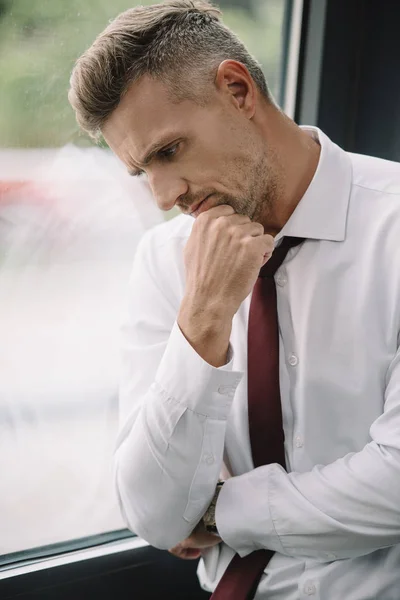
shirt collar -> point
(322, 212)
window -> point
(70, 220)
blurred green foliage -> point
(41, 39)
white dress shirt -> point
(333, 519)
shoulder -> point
(375, 193)
(376, 175)
(374, 209)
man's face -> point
(191, 153)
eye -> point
(169, 152)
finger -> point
(267, 241)
(192, 553)
(186, 553)
(258, 240)
(222, 210)
(253, 229)
(267, 248)
(237, 219)
(179, 553)
(239, 229)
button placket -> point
(208, 458)
(298, 441)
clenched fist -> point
(223, 256)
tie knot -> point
(278, 256)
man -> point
(177, 97)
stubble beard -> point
(257, 201)
(262, 194)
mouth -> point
(200, 207)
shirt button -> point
(225, 389)
(293, 360)
(298, 442)
(281, 280)
(208, 458)
(310, 588)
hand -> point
(195, 544)
(223, 257)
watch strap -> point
(209, 516)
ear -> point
(234, 79)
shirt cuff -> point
(189, 379)
(242, 513)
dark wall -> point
(359, 102)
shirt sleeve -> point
(173, 410)
(346, 509)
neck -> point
(295, 157)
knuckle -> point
(242, 219)
(219, 224)
(202, 218)
(257, 231)
(233, 231)
(246, 241)
(270, 244)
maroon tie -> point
(242, 576)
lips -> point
(200, 207)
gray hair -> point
(180, 42)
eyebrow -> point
(164, 142)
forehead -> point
(146, 114)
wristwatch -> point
(209, 516)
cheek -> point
(217, 164)
(201, 168)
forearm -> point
(169, 456)
(343, 510)
(206, 327)
(155, 476)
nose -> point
(166, 187)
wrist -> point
(207, 330)
(211, 314)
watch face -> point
(209, 516)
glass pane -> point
(70, 220)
